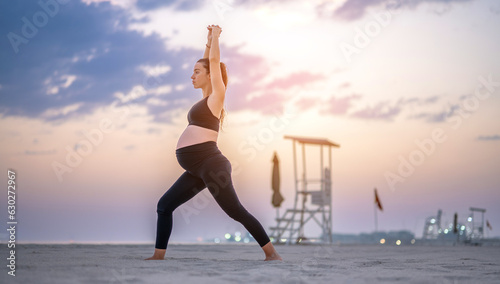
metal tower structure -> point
(318, 208)
(432, 227)
(476, 233)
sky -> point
(94, 95)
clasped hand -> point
(213, 30)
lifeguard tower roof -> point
(317, 141)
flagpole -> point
(487, 231)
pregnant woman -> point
(198, 154)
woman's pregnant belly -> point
(195, 134)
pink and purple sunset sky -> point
(409, 89)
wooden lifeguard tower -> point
(290, 226)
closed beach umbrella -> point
(277, 197)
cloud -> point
(86, 58)
(269, 103)
(339, 106)
(356, 9)
(249, 71)
(61, 112)
(431, 100)
(414, 106)
(184, 5)
(495, 10)
(82, 57)
(129, 147)
(382, 111)
(344, 85)
(40, 152)
(152, 130)
(270, 97)
(250, 93)
(295, 79)
(306, 103)
(495, 137)
(437, 117)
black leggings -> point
(205, 167)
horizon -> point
(94, 95)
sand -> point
(243, 263)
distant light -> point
(469, 219)
(398, 242)
(413, 241)
(462, 228)
(430, 228)
(446, 231)
(237, 233)
(199, 239)
(433, 221)
(283, 240)
(217, 240)
(227, 236)
(247, 240)
(237, 238)
(382, 241)
(271, 238)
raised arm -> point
(218, 87)
(209, 42)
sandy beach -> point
(243, 263)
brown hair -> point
(206, 63)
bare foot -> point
(159, 254)
(154, 258)
(274, 256)
(271, 253)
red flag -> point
(488, 225)
(377, 201)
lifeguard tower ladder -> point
(294, 220)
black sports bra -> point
(200, 115)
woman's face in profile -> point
(200, 76)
